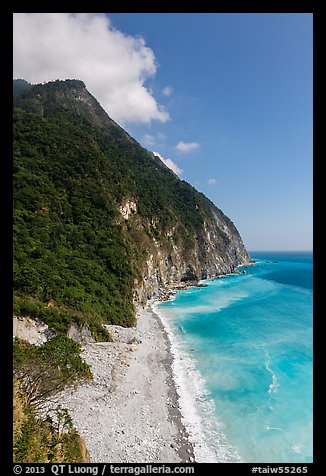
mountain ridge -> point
(101, 224)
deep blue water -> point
(243, 348)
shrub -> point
(37, 440)
(46, 370)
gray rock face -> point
(33, 331)
(218, 250)
(81, 335)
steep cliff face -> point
(218, 250)
(100, 222)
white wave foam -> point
(273, 387)
(273, 428)
(209, 442)
(296, 449)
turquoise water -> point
(243, 361)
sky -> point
(225, 100)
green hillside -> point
(75, 257)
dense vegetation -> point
(75, 258)
(68, 246)
(20, 87)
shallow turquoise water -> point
(244, 345)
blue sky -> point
(226, 97)
(242, 90)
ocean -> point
(243, 361)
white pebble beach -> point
(129, 412)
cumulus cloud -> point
(211, 181)
(161, 136)
(185, 147)
(167, 91)
(169, 163)
(149, 140)
(113, 65)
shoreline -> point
(130, 412)
(190, 386)
(139, 407)
(185, 370)
(186, 449)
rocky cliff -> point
(218, 250)
(100, 222)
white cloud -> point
(149, 140)
(173, 166)
(167, 91)
(169, 163)
(211, 181)
(113, 65)
(161, 136)
(185, 147)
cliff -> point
(217, 250)
(101, 223)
